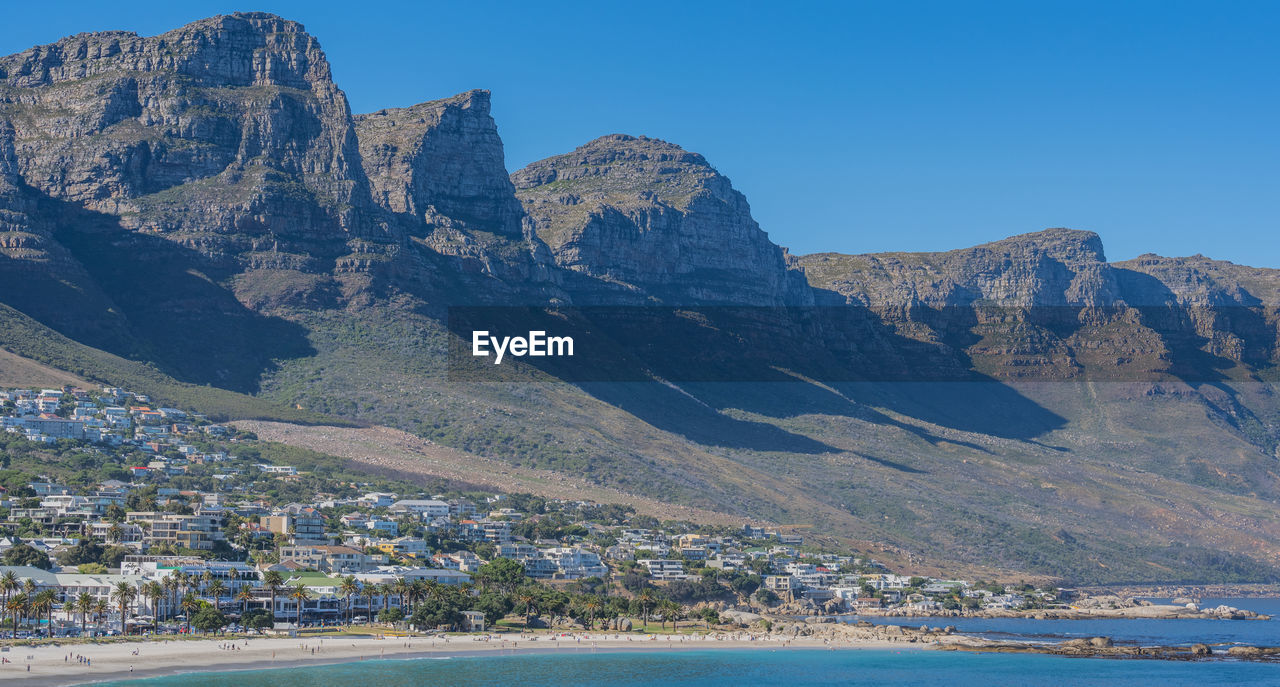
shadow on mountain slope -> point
(178, 315)
(672, 410)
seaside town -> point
(160, 526)
(122, 521)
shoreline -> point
(115, 661)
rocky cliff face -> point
(655, 219)
(1052, 267)
(227, 135)
(438, 169)
(441, 162)
(1048, 306)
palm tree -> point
(670, 609)
(387, 590)
(417, 592)
(9, 584)
(124, 594)
(300, 594)
(154, 592)
(215, 590)
(367, 592)
(29, 591)
(647, 601)
(42, 604)
(190, 604)
(525, 597)
(400, 588)
(432, 589)
(274, 582)
(244, 596)
(84, 606)
(100, 610)
(15, 604)
(591, 605)
(206, 579)
(348, 588)
(170, 584)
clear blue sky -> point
(851, 127)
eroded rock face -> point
(163, 183)
(227, 134)
(442, 158)
(656, 219)
(1048, 305)
(1051, 267)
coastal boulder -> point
(1100, 642)
(743, 617)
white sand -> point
(57, 665)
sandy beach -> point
(52, 665)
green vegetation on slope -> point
(25, 337)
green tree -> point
(502, 574)
(209, 619)
(442, 608)
(493, 605)
(113, 555)
(87, 550)
(258, 618)
(25, 554)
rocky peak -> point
(240, 49)
(227, 135)
(441, 161)
(649, 216)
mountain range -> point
(201, 214)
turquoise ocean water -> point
(740, 668)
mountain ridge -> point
(203, 205)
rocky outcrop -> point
(227, 135)
(1047, 305)
(441, 162)
(648, 217)
(1051, 267)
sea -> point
(802, 667)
